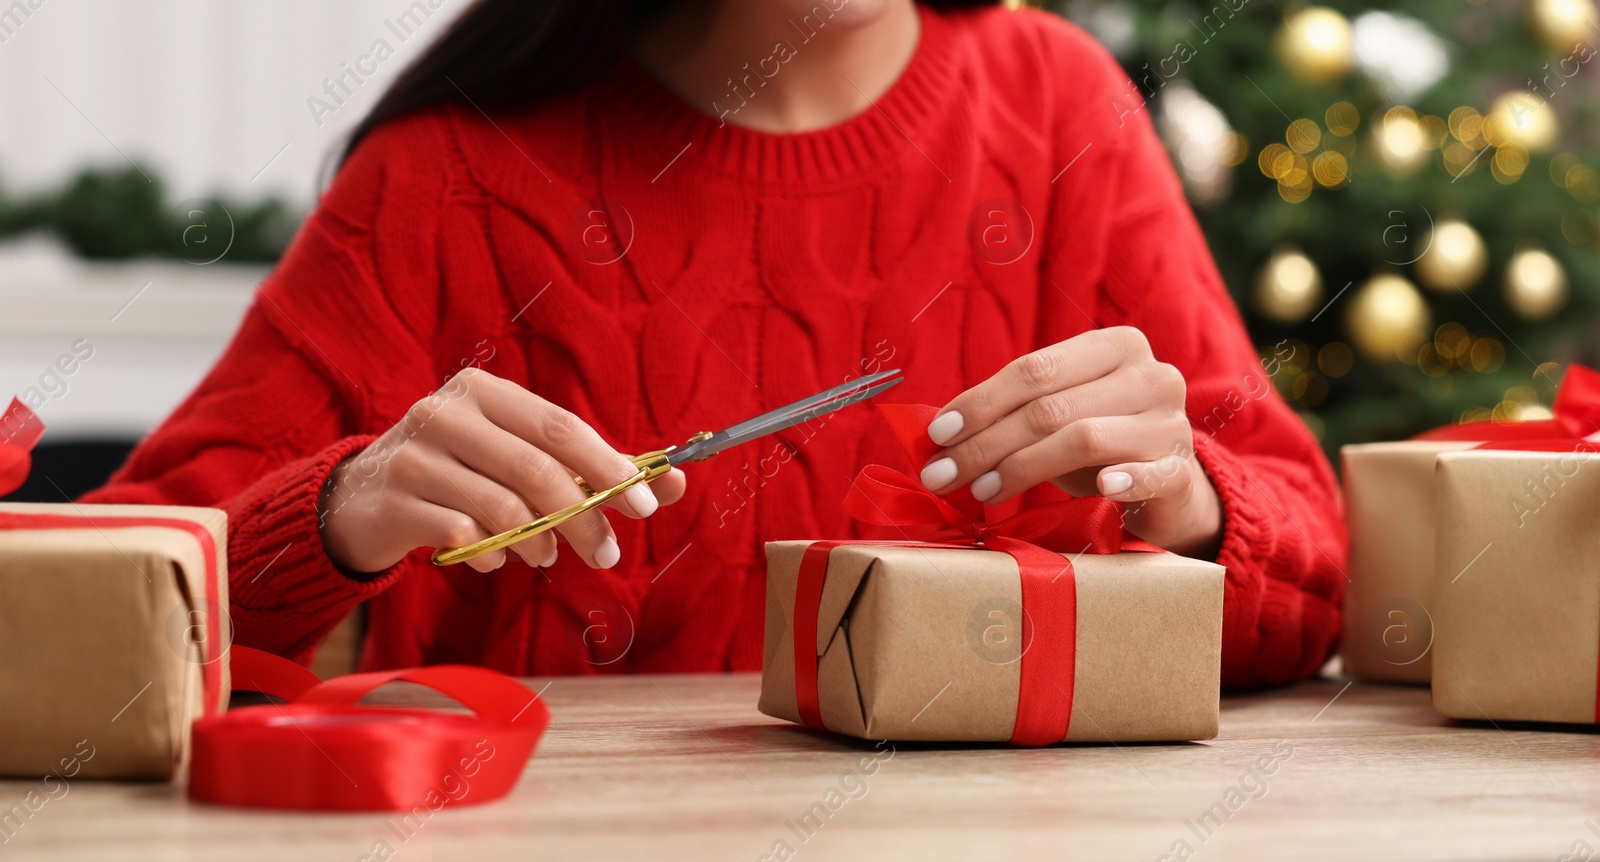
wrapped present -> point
(1389, 507)
(1052, 625)
(114, 616)
(1516, 595)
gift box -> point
(112, 618)
(929, 643)
(1392, 511)
(1389, 507)
(1516, 595)
(1047, 626)
(1516, 589)
(118, 611)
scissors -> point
(654, 465)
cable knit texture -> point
(631, 257)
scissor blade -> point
(810, 402)
(777, 420)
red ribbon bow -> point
(320, 751)
(1036, 539)
(1575, 426)
(20, 429)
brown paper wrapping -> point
(1517, 586)
(101, 680)
(1389, 505)
(924, 644)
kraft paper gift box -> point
(926, 643)
(1516, 591)
(1046, 626)
(1389, 508)
(1393, 510)
(107, 617)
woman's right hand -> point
(479, 457)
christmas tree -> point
(1402, 197)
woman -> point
(579, 229)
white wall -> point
(136, 336)
(209, 91)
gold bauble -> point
(1315, 45)
(1388, 318)
(1401, 144)
(1522, 119)
(1563, 24)
(1288, 287)
(1536, 285)
(1454, 257)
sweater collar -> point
(885, 131)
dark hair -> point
(516, 52)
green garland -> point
(116, 214)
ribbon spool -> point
(322, 752)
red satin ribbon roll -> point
(1035, 538)
(321, 752)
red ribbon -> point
(1036, 539)
(321, 752)
(1575, 426)
(20, 428)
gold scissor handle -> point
(652, 465)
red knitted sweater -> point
(630, 257)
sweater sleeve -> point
(1144, 263)
(296, 392)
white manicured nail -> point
(945, 428)
(641, 500)
(607, 554)
(1115, 483)
(551, 560)
(939, 474)
(986, 486)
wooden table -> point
(683, 767)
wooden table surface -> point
(685, 768)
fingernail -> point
(641, 499)
(986, 486)
(945, 428)
(1115, 483)
(550, 560)
(939, 474)
(607, 554)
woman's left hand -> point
(1093, 414)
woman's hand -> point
(479, 457)
(1094, 414)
